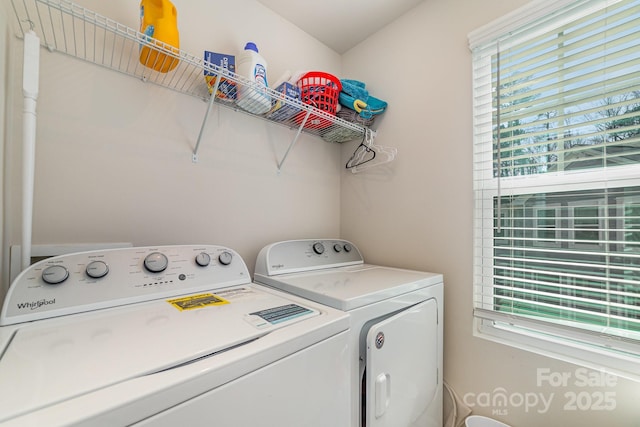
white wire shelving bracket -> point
(83, 34)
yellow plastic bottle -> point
(159, 20)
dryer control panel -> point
(85, 281)
(294, 256)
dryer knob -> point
(318, 248)
(156, 262)
(225, 258)
(347, 247)
(203, 259)
(337, 248)
(55, 274)
(97, 269)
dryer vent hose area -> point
(30, 76)
(454, 409)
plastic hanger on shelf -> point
(362, 155)
(365, 155)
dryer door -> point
(402, 368)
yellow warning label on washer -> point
(196, 301)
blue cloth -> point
(353, 90)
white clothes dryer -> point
(396, 317)
(166, 336)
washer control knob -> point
(318, 248)
(337, 247)
(97, 269)
(203, 259)
(55, 274)
(156, 262)
(347, 247)
(225, 258)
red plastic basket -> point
(321, 91)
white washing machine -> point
(396, 317)
(166, 336)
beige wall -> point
(417, 213)
(4, 82)
(114, 154)
(116, 166)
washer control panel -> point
(294, 256)
(85, 281)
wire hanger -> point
(363, 154)
(362, 158)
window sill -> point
(625, 364)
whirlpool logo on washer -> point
(34, 305)
(379, 340)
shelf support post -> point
(295, 138)
(212, 98)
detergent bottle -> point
(159, 20)
(253, 67)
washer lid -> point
(57, 359)
(347, 288)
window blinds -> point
(557, 175)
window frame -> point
(620, 356)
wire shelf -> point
(65, 27)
